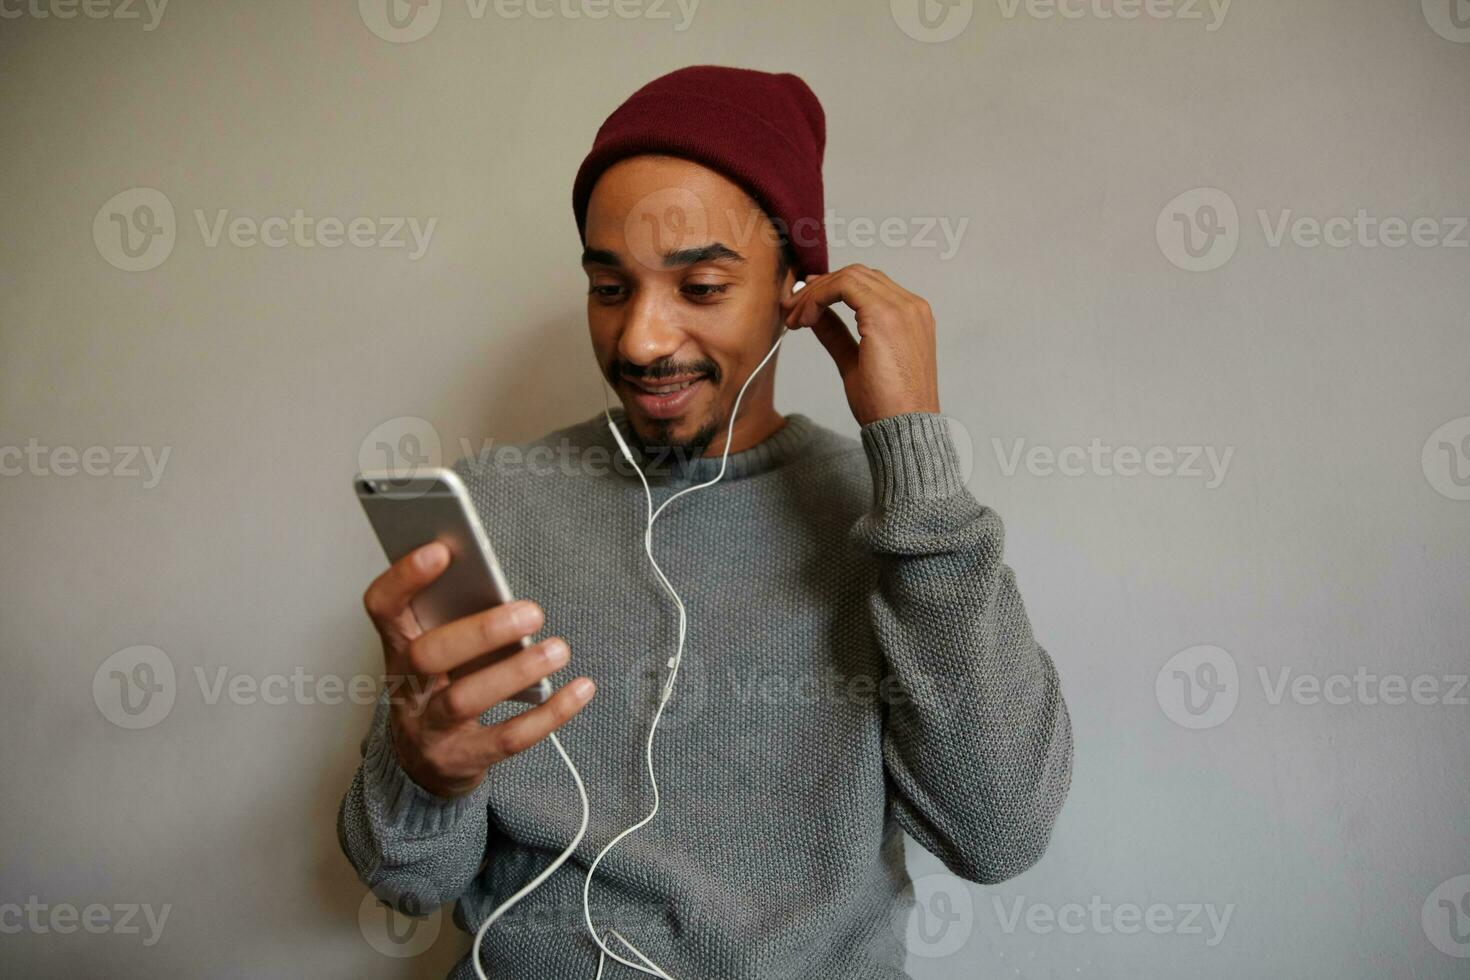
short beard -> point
(665, 455)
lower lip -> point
(669, 406)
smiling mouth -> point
(664, 388)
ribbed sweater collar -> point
(787, 443)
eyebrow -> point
(713, 252)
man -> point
(858, 660)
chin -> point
(689, 434)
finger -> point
(498, 742)
(445, 647)
(838, 339)
(850, 285)
(469, 696)
(388, 599)
(796, 290)
(797, 301)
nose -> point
(650, 332)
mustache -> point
(621, 369)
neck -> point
(753, 425)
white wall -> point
(1329, 547)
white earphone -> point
(647, 966)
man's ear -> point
(789, 285)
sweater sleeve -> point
(414, 849)
(977, 740)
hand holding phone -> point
(447, 672)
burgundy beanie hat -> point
(766, 132)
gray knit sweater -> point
(858, 663)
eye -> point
(605, 293)
(705, 290)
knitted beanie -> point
(766, 132)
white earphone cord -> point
(647, 966)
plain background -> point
(1327, 549)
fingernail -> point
(582, 687)
(527, 616)
(557, 652)
(429, 556)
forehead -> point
(655, 203)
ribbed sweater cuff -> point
(911, 458)
(409, 807)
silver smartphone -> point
(408, 512)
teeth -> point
(666, 389)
